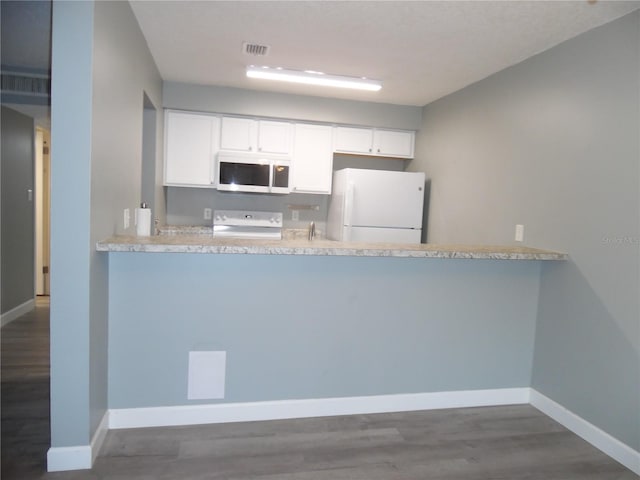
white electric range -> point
(247, 224)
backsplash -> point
(185, 206)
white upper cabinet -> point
(354, 140)
(250, 135)
(191, 142)
(375, 142)
(238, 134)
(312, 163)
(393, 143)
(275, 137)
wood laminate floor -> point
(487, 443)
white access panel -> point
(206, 375)
(384, 198)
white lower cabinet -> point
(312, 162)
(191, 144)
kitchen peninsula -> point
(316, 327)
(203, 243)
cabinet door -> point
(238, 134)
(393, 143)
(353, 140)
(274, 137)
(312, 163)
(191, 142)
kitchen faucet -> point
(312, 230)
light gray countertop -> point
(199, 243)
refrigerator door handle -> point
(348, 210)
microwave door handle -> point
(272, 167)
(348, 210)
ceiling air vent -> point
(255, 49)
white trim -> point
(99, 436)
(79, 457)
(69, 458)
(321, 407)
(600, 439)
(82, 457)
(16, 312)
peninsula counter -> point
(198, 243)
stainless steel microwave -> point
(236, 172)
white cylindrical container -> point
(143, 221)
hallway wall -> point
(17, 209)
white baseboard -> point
(69, 458)
(99, 436)
(79, 457)
(600, 439)
(82, 457)
(16, 312)
(322, 407)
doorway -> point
(42, 210)
(148, 166)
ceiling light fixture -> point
(310, 77)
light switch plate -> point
(519, 233)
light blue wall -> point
(553, 143)
(123, 72)
(298, 327)
(101, 69)
(71, 97)
(588, 334)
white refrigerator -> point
(376, 206)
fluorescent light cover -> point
(313, 78)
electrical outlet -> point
(295, 215)
(519, 233)
(127, 218)
(207, 214)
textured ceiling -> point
(421, 50)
